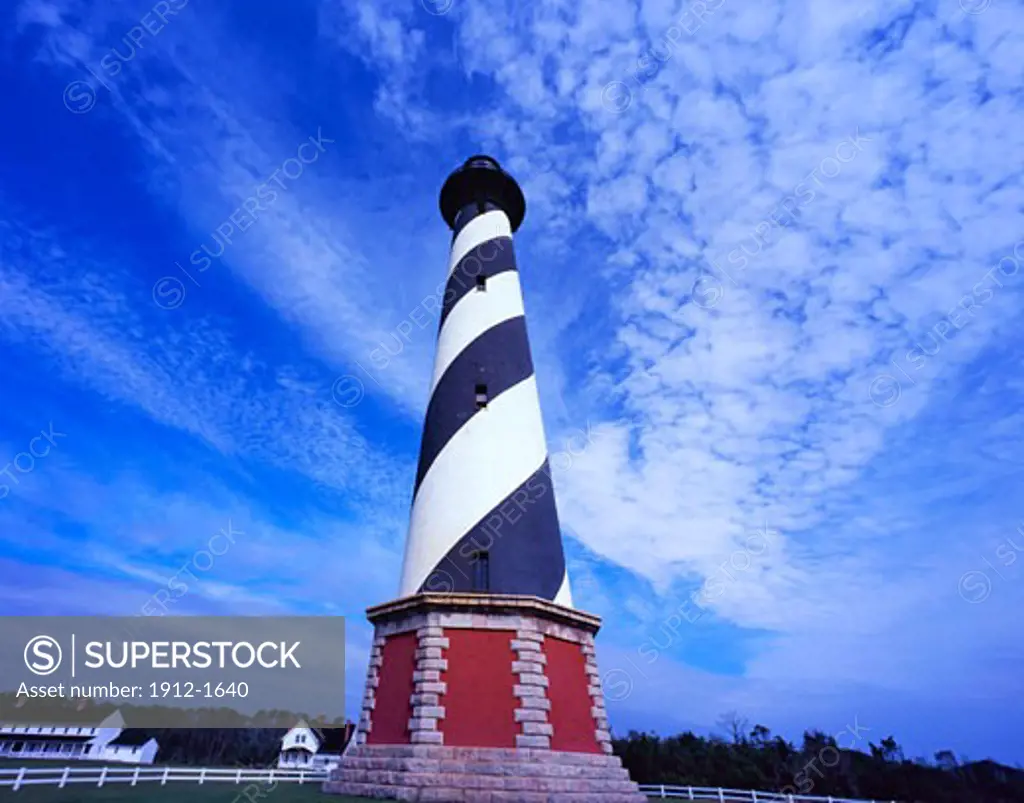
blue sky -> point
(771, 262)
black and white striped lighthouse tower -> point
(484, 515)
(483, 682)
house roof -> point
(333, 740)
(74, 738)
(131, 737)
(59, 713)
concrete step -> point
(498, 768)
(493, 782)
(502, 754)
(441, 794)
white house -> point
(306, 747)
(131, 746)
(111, 741)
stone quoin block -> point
(531, 715)
(528, 667)
(528, 657)
(541, 703)
(556, 630)
(427, 737)
(527, 654)
(532, 679)
(425, 699)
(528, 691)
(459, 620)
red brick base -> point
(479, 708)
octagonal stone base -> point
(482, 775)
(481, 698)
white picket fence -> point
(745, 795)
(101, 776)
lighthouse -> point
(483, 514)
(483, 682)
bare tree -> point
(734, 726)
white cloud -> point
(192, 379)
(759, 409)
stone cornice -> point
(485, 604)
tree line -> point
(217, 747)
(820, 766)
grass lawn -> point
(172, 793)
(181, 792)
(153, 792)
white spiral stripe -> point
(474, 314)
(477, 232)
(490, 456)
(564, 595)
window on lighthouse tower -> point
(481, 571)
(481, 397)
